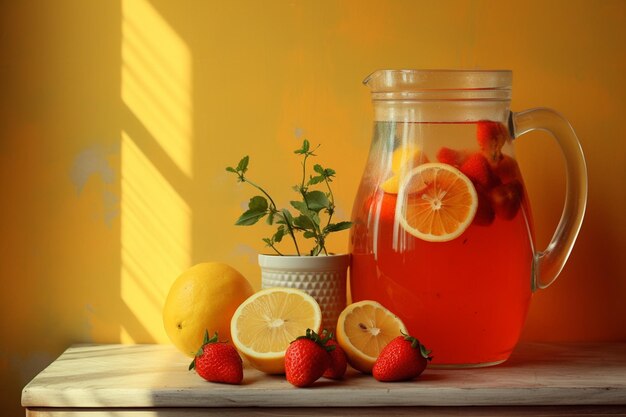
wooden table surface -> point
(147, 380)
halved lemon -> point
(263, 325)
(436, 202)
(364, 328)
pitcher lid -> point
(438, 79)
(409, 83)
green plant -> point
(310, 207)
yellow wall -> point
(118, 118)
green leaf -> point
(268, 241)
(325, 173)
(315, 180)
(258, 203)
(270, 218)
(287, 216)
(316, 250)
(316, 219)
(304, 149)
(300, 206)
(309, 234)
(280, 232)
(317, 200)
(318, 168)
(305, 222)
(257, 208)
(231, 169)
(243, 164)
(336, 227)
(250, 217)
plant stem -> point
(273, 208)
(332, 203)
(317, 230)
(293, 236)
(243, 179)
(276, 250)
(303, 178)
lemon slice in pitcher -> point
(436, 202)
(264, 325)
(402, 159)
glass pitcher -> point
(443, 232)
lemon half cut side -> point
(364, 328)
(268, 321)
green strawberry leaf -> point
(319, 340)
(425, 352)
(415, 344)
(205, 341)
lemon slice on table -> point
(364, 328)
(436, 202)
(267, 322)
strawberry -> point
(306, 359)
(402, 359)
(451, 157)
(338, 361)
(491, 137)
(218, 361)
(477, 169)
(507, 199)
(484, 213)
(506, 169)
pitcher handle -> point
(547, 264)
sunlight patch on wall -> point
(156, 80)
(155, 219)
(155, 234)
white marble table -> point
(151, 380)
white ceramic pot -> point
(323, 277)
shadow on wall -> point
(118, 210)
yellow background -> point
(117, 119)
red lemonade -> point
(475, 287)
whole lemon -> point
(203, 297)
